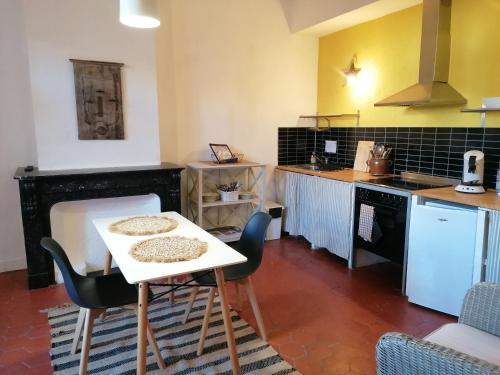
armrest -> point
(398, 353)
(481, 308)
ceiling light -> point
(139, 13)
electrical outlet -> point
(331, 147)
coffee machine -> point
(473, 174)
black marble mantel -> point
(40, 190)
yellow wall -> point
(388, 53)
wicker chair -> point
(398, 353)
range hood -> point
(432, 88)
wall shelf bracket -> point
(329, 117)
(489, 105)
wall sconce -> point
(139, 13)
(352, 72)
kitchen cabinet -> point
(320, 210)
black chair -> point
(251, 245)
(94, 295)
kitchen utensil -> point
(379, 151)
(387, 152)
(379, 167)
(362, 155)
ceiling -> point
(322, 17)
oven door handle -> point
(386, 210)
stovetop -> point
(404, 184)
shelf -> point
(488, 105)
(221, 203)
(480, 110)
(330, 116)
(333, 115)
(211, 165)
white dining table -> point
(218, 255)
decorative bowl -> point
(247, 195)
(210, 197)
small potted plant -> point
(229, 192)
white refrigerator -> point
(444, 254)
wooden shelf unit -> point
(202, 176)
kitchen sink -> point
(319, 167)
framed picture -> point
(222, 153)
(98, 99)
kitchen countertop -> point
(487, 200)
(346, 175)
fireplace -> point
(40, 190)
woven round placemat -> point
(168, 249)
(144, 225)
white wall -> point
(58, 30)
(37, 88)
(237, 73)
(17, 141)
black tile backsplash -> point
(435, 151)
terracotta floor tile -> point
(13, 356)
(322, 317)
(15, 369)
(37, 360)
(292, 349)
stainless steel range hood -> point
(432, 88)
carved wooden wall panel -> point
(98, 92)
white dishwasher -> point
(444, 253)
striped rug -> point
(114, 341)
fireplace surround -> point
(40, 190)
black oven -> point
(390, 217)
(383, 206)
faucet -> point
(316, 159)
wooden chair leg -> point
(90, 315)
(228, 324)
(78, 330)
(255, 306)
(106, 271)
(189, 306)
(152, 341)
(107, 263)
(238, 296)
(171, 297)
(206, 320)
(154, 345)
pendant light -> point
(139, 13)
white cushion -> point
(468, 340)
